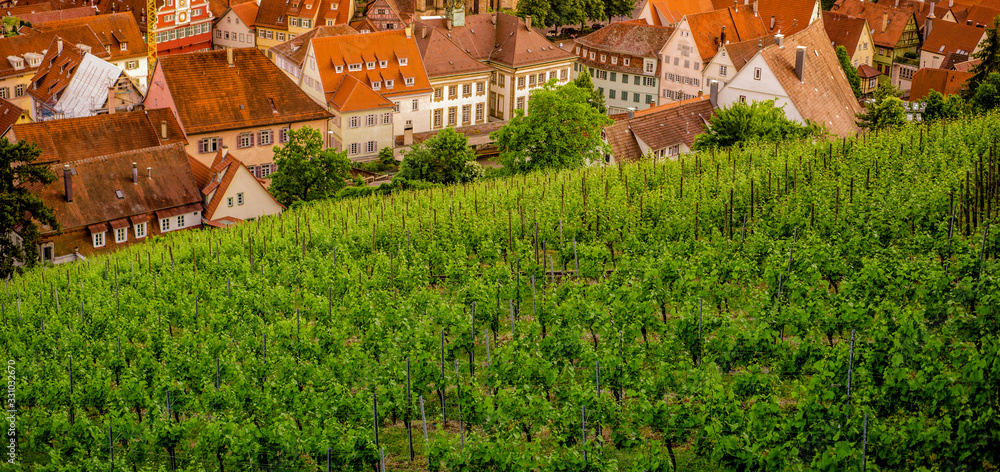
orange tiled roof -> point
(39, 17)
(823, 95)
(947, 82)
(32, 44)
(981, 15)
(886, 23)
(9, 113)
(112, 30)
(212, 96)
(295, 49)
(740, 53)
(337, 10)
(706, 28)
(384, 50)
(669, 12)
(790, 16)
(273, 14)
(78, 138)
(947, 37)
(247, 12)
(844, 30)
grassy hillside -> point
(790, 307)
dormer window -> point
(340, 69)
(389, 83)
(625, 61)
(124, 46)
(281, 19)
(370, 64)
(376, 85)
(402, 61)
(293, 21)
(354, 67)
(408, 81)
(614, 59)
(333, 6)
(383, 64)
(604, 58)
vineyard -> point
(812, 306)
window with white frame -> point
(408, 81)
(723, 70)
(625, 61)
(415, 105)
(382, 64)
(480, 87)
(180, 221)
(756, 73)
(389, 83)
(354, 148)
(244, 140)
(293, 21)
(140, 230)
(99, 239)
(402, 61)
(466, 90)
(354, 67)
(266, 137)
(650, 66)
(386, 118)
(121, 235)
(19, 89)
(480, 111)
(164, 225)
(354, 121)
(207, 145)
(371, 146)
(229, 201)
(266, 170)
(239, 198)
(283, 135)
(306, 23)
(371, 120)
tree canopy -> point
(561, 129)
(939, 108)
(989, 58)
(887, 110)
(849, 70)
(441, 159)
(18, 174)
(596, 97)
(306, 171)
(759, 120)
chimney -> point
(755, 10)
(931, 14)
(928, 26)
(225, 151)
(163, 129)
(423, 33)
(408, 31)
(951, 3)
(800, 62)
(713, 94)
(229, 56)
(111, 100)
(149, 173)
(135, 173)
(885, 20)
(68, 182)
(897, 3)
(722, 36)
(630, 113)
(58, 45)
(527, 22)
(779, 39)
(772, 21)
(449, 23)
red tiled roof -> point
(273, 14)
(98, 178)
(866, 71)
(706, 28)
(631, 38)
(824, 95)
(659, 127)
(112, 30)
(9, 113)
(790, 16)
(844, 30)
(669, 12)
(40, 17)
(887, 23)
(947, 82)
(947, 37)
(56, 71)
(442, 57)
(212, 96)
(35, 42)
(740, 53)
(981, 15)
(386, 47)
(247, 12)
(78, 138)
(500, 38)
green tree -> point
(613, 8)
(387, 158)
(849, 70)
(19, 173)
(885, 111)
(11, 25)
(539, 11)
(441, 159)
(596, 97)
(987, 95)
(939, 108)
(567, 12)
(760, 120)
(560, 130)
(989, 58)
(306, 171)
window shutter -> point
(201, 146)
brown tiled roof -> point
(295, 50)
(340, 16)
(824, 95)
(9, 113)
(981, 15)
(40, 17)
(273, 14)
(201, 173)
(388, 46)
(947, 82)
(966, 66)
(885, 34)
(953, 58)
(35, 42)
(741, 53)
(844, 30)
(947, 37)
(922, 9)
(659, 128)
(706, 29)
(364, 24)
(508, 42)
(673, 10)
(21, 10)
(228, 167)
(211, 96)
(866, 71)
(56, 71)
(790, 16)
(78, 138)
(112, 30)
(98, 178)
(136, 8)
(629, 38)
(442, 57)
